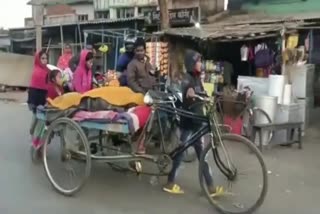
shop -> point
(273, 58)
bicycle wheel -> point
(253, 114)
(66, 156)
(231, 197)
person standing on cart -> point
(191, 85)
(125, 59)
(38, 89)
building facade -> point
(73, 11)
(279, 7)
(60, 12)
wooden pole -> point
(164, 14)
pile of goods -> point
(158, 54)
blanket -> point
(117, 96)
(136, 119)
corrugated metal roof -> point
(99, 21)
(96, 21)
(261, 18)
(241, 27)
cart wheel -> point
(66, 156)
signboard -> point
(183, 16)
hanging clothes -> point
(292, 41)
(244, 51)
(263, 56)
(314, 48)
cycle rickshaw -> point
(74, 141)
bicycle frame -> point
(195, 137)
(208, 123)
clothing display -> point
(244, 53)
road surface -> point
(294, 184)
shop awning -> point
(240, 28)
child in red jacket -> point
(55, 84)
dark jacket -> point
(122, 65)
(191, 80)
(140, 80)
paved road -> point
(294, 181)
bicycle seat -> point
(158, 95)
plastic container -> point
(269, 105)
(307, 105)
(302, 78)
(286, 114)
(258, 85)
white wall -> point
(83, 9)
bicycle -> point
(222, 159)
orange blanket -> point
(117, 96)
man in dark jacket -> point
(191, 85)
(140, 73)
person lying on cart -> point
(190, 85)
(140, 73)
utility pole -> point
(164, 14)
(37, 14)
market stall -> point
(270, 58)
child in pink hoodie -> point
(82, 77)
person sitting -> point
(55, 84)
(140, 74)
(191, 85)
(54, 89)
(82, 77)
(124, 60)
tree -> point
(164, 14)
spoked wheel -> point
(239, 175)
(66, 156)
(257, 115)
